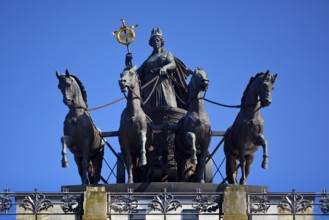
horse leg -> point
(85, 163)
(64, 140)
(143, 149)
(78, 161)
(190, 141)
(180, 171)
(243, 179)
(150, 164)
(91, 172)
(199, 170)
(129, 164)
(260, 140)
(249, 160)
(200, 167)
(181, 162)
(231, 169)
(97, 162)
(85, 167)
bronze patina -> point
(165, 131)
(80, 134)
(194, 135)
(245, 136)
(135, 134)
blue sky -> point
(231, 40)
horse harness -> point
(97, 134)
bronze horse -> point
(80, 134)
(244, 137)
(135, 134)
(193, 138)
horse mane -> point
(82, 87)
(252, 79)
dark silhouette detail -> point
(135, 134)
(80, 134)
(194, 136)
(245, 136)
(170, 89)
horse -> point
(135, 134)
(194, 136)
(80, 134)
(244, 137)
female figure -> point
(160, 63)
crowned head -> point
(156, 33)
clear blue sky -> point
(231, 40)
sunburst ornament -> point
(125, 35)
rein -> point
(132, 91)
(155, 84)
(195, 96)
(147, 99)
(148, 83)
(175, 81)
(120, 99)
(76, 105)
(223, 105)
(231, 106)
(102, 106)
(105, 141)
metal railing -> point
(265, 205)
(184, 205)
(40, 203)
(180, 205)
(135, 205)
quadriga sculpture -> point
(80, 134)
(245, 136)
(193, 138)
(135, 134)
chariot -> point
(164, 133)
(165, 125)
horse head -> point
(245, 136)
(266, 87)
(259, 89)
(128, 79)
(199, 81)
(72, 89)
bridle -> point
(148, 83)
(241, 106)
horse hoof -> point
(243, 181)
(265, 165)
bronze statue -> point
(164, 95)
(169, 70)
(245, 136)
(193, 138)
(135, 134)
(80, 134)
